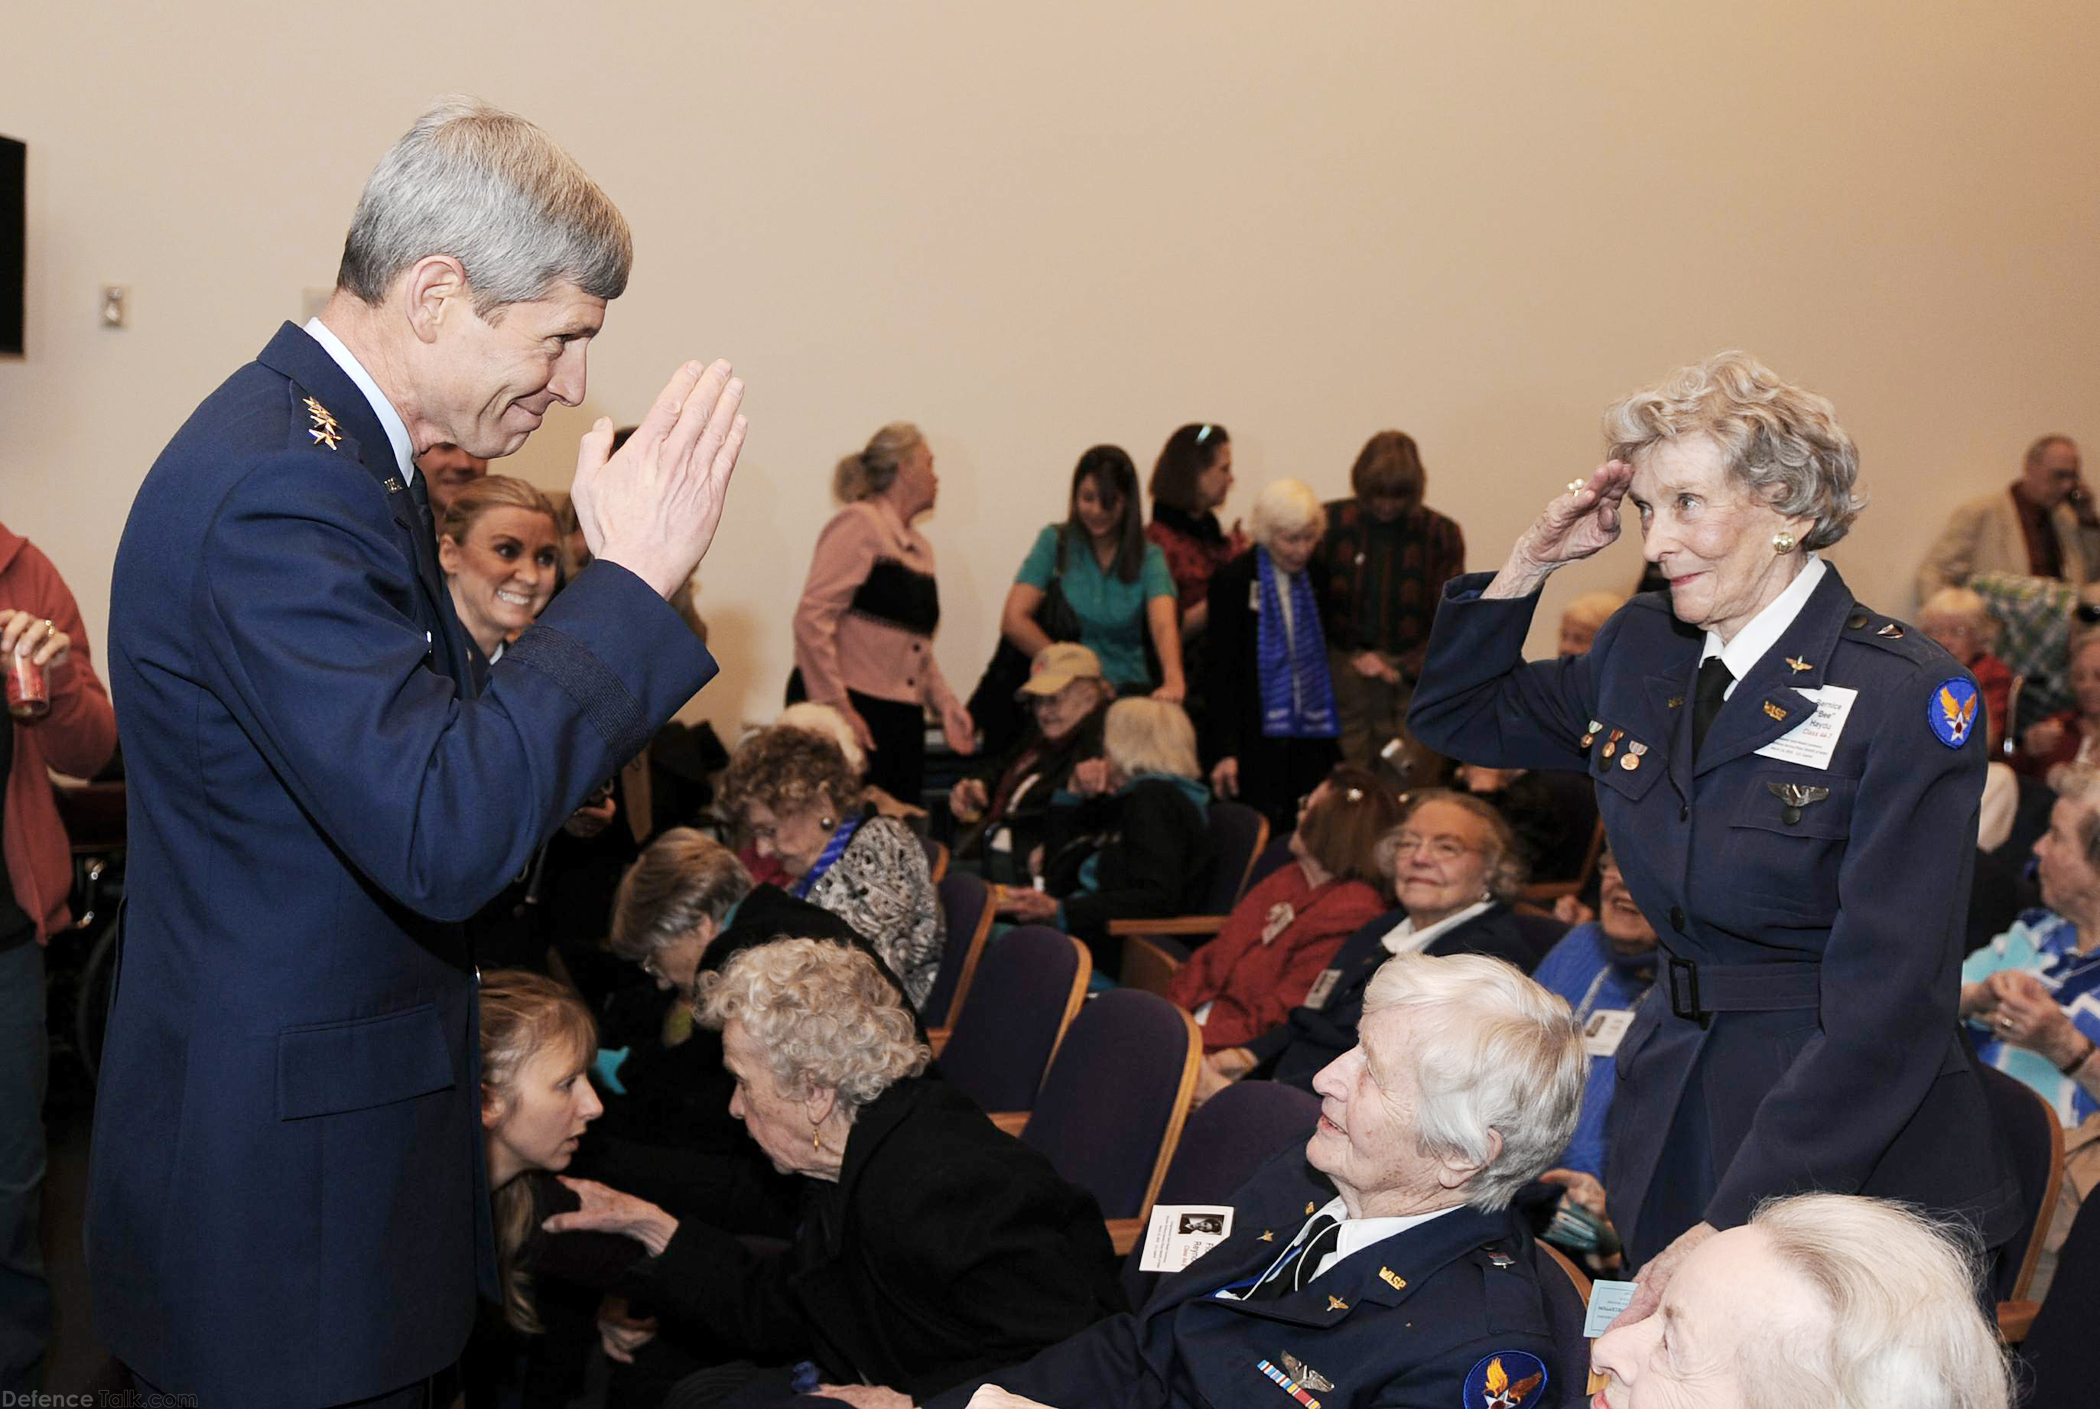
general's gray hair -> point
(1898, 1321)
(494, 192)
(823, 1015)
(1782, 442)
(1495, 1054)
(1285, 506)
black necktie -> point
(1714, 680)
(419, 490)
(1300, 1267)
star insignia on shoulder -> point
(1798, 665)
(325, 430)
(325, 435)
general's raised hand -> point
(653, 508)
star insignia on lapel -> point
(1798, 665)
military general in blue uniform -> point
(1790, 785)
(1381, 1264)
(286, 1205)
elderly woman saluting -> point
(1790, 786)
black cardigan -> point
(946, 1250)
(1155, 856)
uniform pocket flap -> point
(329, 1068)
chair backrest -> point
(1541, 932)
(2029, 1133)
(1225, 1140)
(966, 902)
(1575, 1274)
(1027, 988)
(2056, 1358)
(1269, 860)
(1113, 1102)
(1238, 833)
(936, 858)
(1150, 963)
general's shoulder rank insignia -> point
(325, 431)
(1951, 711)
(1508, 1379)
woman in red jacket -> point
(1284, 930)
(39, 623)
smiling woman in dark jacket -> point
(934, 1248)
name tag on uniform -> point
(1815, 739)
(1604, 1031)
(1322, 988)
(1180, 1233)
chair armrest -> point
(937, 1038)
(1012, 1122)
(1125, 1232)
(2016, 1319)
(1205, 925)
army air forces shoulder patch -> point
(1509, 1379)
(1951, 711)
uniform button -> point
(1677, 918)
(1684, 812)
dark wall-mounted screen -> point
(14, 204)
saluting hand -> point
(653, 507)
(1580, 521)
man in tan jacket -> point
(2043, 525)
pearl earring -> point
(1782, 542)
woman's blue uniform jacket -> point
(1824, 937)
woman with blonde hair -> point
(1270, 720)
(935, 1248)
(1137, 844)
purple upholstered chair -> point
(1027, 988)
(966, 902)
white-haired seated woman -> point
(1270, 722)
(1820, 1301)
(934, 1246)
(1132, 841)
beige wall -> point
(1030, 228)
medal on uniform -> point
(1632, 759)
(1611, 745)
(1591, 737)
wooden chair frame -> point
(2016, 1315)
(1205, 926)
(971, 955)
(1012, 1122)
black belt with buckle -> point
(1698, 991)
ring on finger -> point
(1575, 484)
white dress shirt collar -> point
(1404, 938)
(389, 419)
(1762, 632)
(1356, 1234)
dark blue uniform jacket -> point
(1821, 1051)
(1404, 1321)
(286, 1202)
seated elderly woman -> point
(1820, 1301)
(2073, 735)
(1138, 846)
(1005, 810)
(1286, 929)
(685, 908)
(934, 1246)
(1960, 620)
(2032, 995)
(1380, 1262)
(793, 793)
(1270, 719)
(1454, 865)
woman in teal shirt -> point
(1115, 583)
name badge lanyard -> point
(1248, 1283)
(833, 850)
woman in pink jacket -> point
(1284, 930)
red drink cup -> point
(28, 695)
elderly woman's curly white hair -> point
(822, 1014)
(1782, 442)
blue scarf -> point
(833, 850)
(1297, 697)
